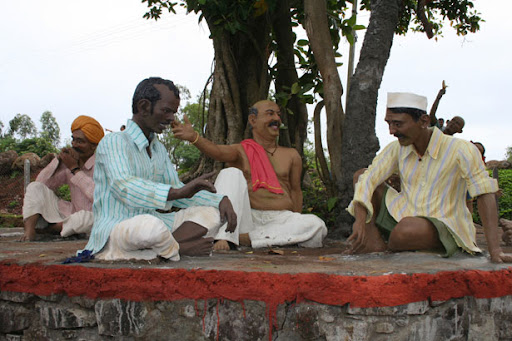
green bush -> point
(505, 179)
(505, 201)
(38, 145)
(63, 192)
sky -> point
(87, 56)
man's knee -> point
(230, 174)
(402, 235)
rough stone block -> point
(55, 316)
(384, 328)
(415, 308)
(18, 297)
(120, 318)
(14, 317)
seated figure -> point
(137, 185)
(436, 171)
(74, 166)
(263, 184)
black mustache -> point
(399, 136)
(274, 123)
(78, 150)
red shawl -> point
(262, 172)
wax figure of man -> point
(436, 171)
(42, 209)
(136, 181)
(454, 126)
(263, 184)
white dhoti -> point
(266, 228)
(147, 237)
(39, 199)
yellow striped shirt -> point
(433, 186)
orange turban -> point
(90, 127)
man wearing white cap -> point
(436, 171)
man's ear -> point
(144, 106)
(252, 119)
(425, 120)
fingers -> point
(185, 119)
(207, 175)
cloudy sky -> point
(86, 57)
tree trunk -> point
(360, 142)
(317, 29)
(240, 78)
(296, 122)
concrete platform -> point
(275, 277)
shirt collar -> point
(90, 162)
(433, 145)
(138, 137)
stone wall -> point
(59, 317)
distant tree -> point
(50, 128)
(22, 126)
(508, 154)
(1, 129)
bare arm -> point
(358, 236)
(433, 118)
(223, 153)
(295, 176)
(487, 210)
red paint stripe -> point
(274, 289)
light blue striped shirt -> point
(129, 183)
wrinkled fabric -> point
(262, 172)
(90, 127)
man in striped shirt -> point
(135, 182)
(436, 171)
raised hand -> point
(69, 157)
(184, 131)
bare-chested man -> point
(264, 185)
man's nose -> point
(392, 130)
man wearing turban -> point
(42, 209)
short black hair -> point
(147, 90)
(415, 113)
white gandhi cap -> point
(406, 100)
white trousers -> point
(39, 199)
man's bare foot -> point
(199, 247)
(221, 245)
(506, 225)
(29, 235)
(244, 239)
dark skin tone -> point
(155, 120)
(414, 233)
(70, 158)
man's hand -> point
(184, 131)
(189, 190)
(69, 157)
(358, 236)
(227, 214)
